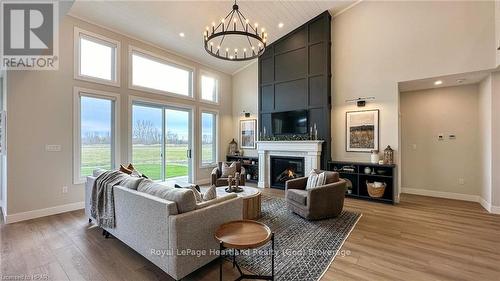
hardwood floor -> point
(422, 238)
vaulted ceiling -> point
(161, 22)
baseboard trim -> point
(455, 196)
(44, 212)
(441, 194)
(495, 210)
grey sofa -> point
(322, 202)
(217, 178)
(160, 230)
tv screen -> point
(289, 122)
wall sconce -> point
(360, 102)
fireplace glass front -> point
(285, 168)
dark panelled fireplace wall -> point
(285, 168)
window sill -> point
(97, 80)
(208, 166)
(209, 102)
(160, 92)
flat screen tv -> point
(289, 122)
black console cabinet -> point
(251, 165)
(360, 173)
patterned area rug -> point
(304, 249)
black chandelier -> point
(234, 25)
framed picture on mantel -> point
(247, 133)
(362, 130)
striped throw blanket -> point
(102, 202)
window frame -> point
(100, 39)
(164, 60)
(138, 100)
(200, 137)
(115, 118)
(217, 86)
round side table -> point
(241, 235)
(251, 201)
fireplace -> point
(285, 168)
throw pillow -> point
(125, 170)
(210, 194)
(197, 194)
(228, 170)
(315, 179)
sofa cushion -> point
(184, 198)
(131, 182)
(297, 195)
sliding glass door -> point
(161, 142)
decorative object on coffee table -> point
(251, 200)
(242, 235)
(388, 155)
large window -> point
(208, 138)
(96, 58)
(95, 131)
(152, 73)
(161, 141)
(209, 88)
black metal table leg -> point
(272, 256)
(221, 247)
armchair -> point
(218, 180)
(321, 202)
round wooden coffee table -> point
(241, 235)
(251, 201)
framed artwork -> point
(248, 133)
(362, 130)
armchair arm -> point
(213, 178)
(298, 183)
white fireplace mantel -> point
(309, 150)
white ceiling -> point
(160, 22)
(447, 81)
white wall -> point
(495, 145)
(378, 44)
(41, 111)
(485, 138)
(430, 166)
(245, 98)
(497, 29)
